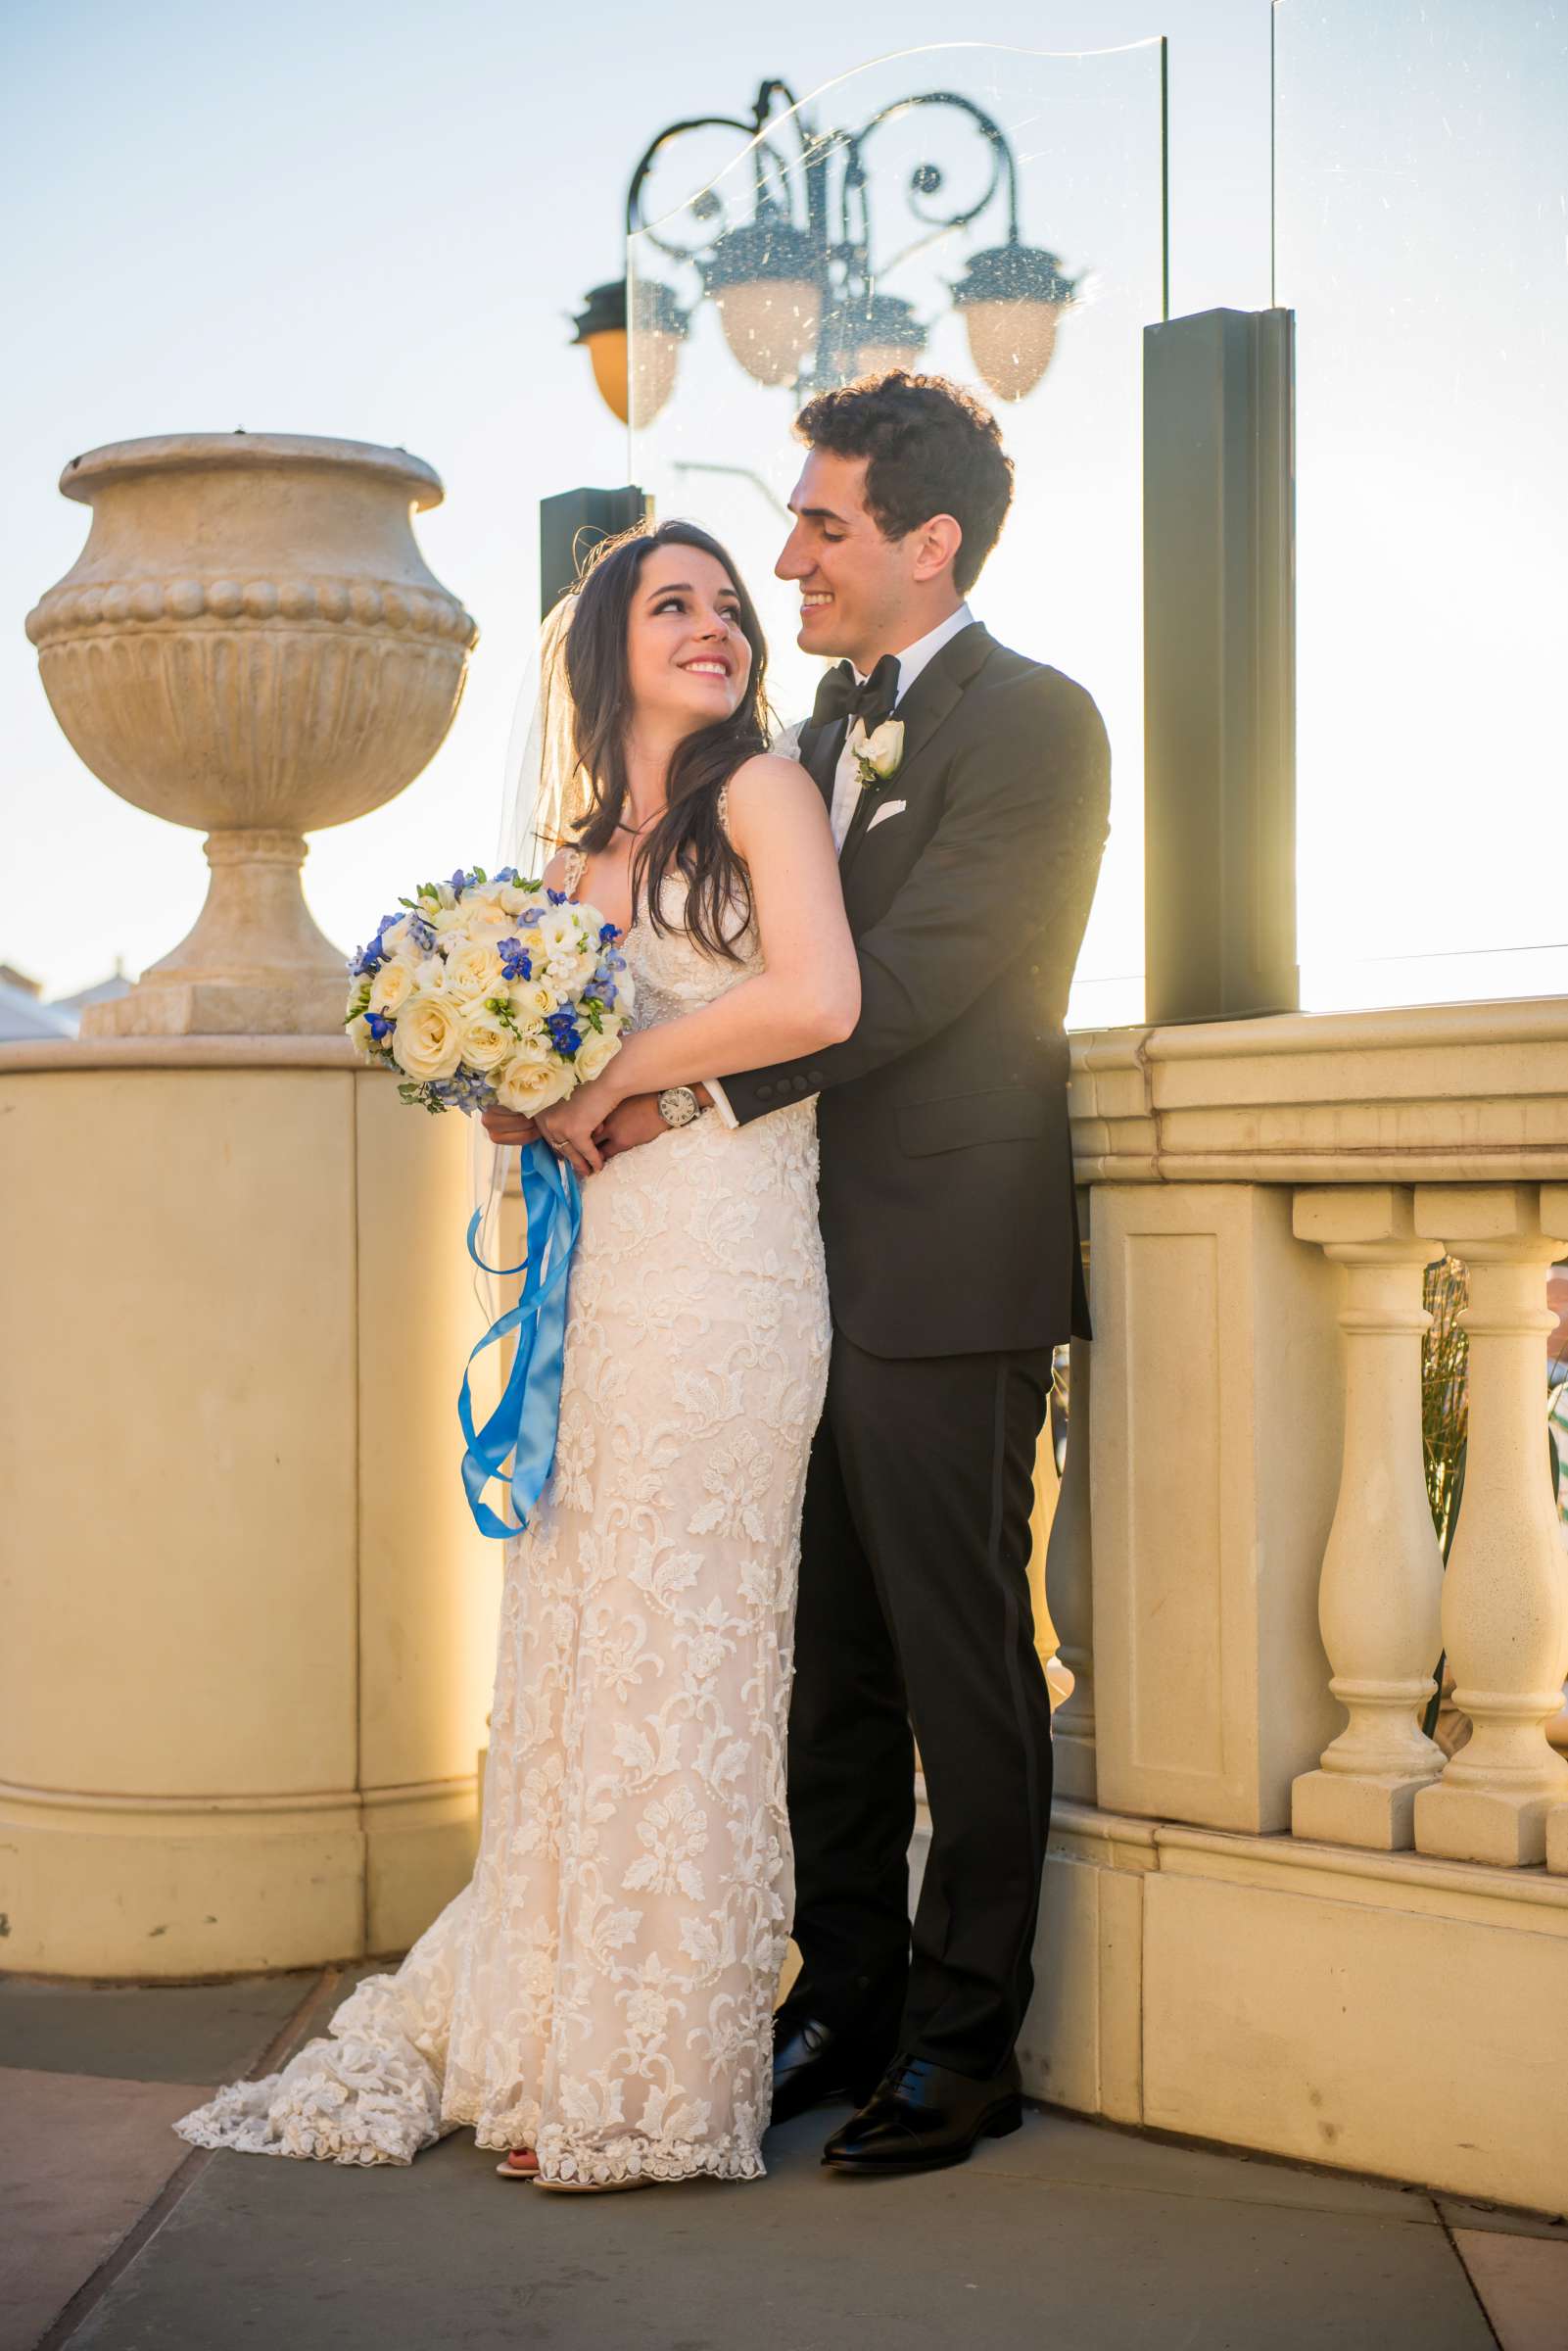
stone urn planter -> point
(250, 644)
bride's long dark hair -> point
(690, 838)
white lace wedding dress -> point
(602, 1988)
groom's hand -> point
(634, 1121)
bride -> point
(598, 1999)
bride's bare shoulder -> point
(769, 775)
(766, 792)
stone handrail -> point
(1450, 1093)
(1244, 1567)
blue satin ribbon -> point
(522, 1427)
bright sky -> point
(372, 220)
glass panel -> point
(1422, 202)
(996, 216)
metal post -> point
(573, 522)
(1219, 678)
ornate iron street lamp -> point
(796, 285)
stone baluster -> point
(1505, 1594)
(1382, 1582)
(1070, 1588)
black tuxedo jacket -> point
(948, 1203)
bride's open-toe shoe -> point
(521, 2163)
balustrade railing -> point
(1242, 1556)
(1387, 1609)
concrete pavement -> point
(120, 2238)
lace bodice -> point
(673, 974)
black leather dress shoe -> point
(922, 2115)
(811, 2062)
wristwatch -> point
(679, 1106)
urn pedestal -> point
(248, 1625)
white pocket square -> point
(889, 808)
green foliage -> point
(1444, 1416)
(1445, 1392)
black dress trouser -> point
(915, 1626)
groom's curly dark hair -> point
(931, 449)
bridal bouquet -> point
(490, 990)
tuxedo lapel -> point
(929, 705)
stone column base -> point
(1266, 1992)
(293, 1007)
(172, 1892)
(1558, 1840)
(1500, 1826)
(1349, 1807)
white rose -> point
(429, 977)
(531, 999)
(486, 911)
(515, 898)
(473, 970)
(595, 1053)
(427, 1042)
(391, 988)
(530, 1087)
(448, 918)
(359, 1036)
(484, 1042)
(884, 752)
(394, 937)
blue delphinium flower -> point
(379, 1025)
(608, 936)
(556, 897)
(515, 961)
(421, 934)
(602, 983)
(564, 1034)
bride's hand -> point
(568, 1126)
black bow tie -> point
(840, 695)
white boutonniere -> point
(879, 756)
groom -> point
(970, 841)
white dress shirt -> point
(911, 661)
(846, 775)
